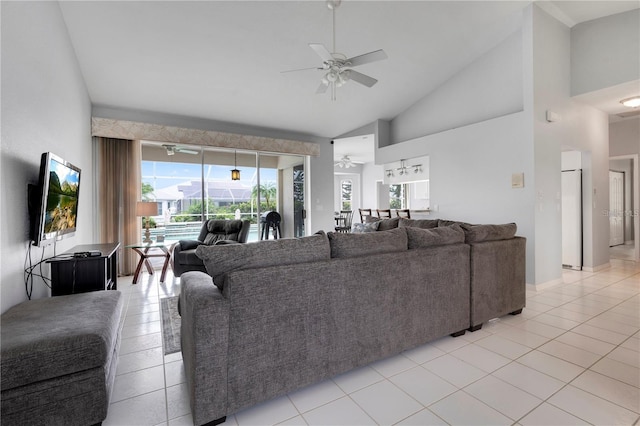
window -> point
(346, 194)
(397, 196)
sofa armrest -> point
(497, 279)
(204, 338)
(188, 244)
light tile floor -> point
(572, 357)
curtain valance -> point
(132, 130)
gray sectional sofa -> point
(280, 315)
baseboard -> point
(544, 285)
(597, 268)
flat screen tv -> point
(54, 202)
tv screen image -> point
(55, 204)
(62, 197)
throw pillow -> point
(421, 238)
(479, 233)
(359, 228)
(352, 245)
(384, 224)
(222, 259)
(419, 223)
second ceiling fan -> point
(337, 66)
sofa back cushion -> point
(365, 244)
(421, 238)
(419, 223)
(444, 222)
(479, 233)
(222, 259)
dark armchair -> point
(213, 232)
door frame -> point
(636, 201)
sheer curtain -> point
(118, 191)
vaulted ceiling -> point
(223, 60)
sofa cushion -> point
(421, 238)
(419, 223)
(384, 224)
(479, 233)
(221, 259)
(57, 336)
(359, 228)
(443, 222)
(366, 244)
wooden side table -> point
(153, 249)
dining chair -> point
(384, 213)
(343, 221)
(363, 213)
(405, 213)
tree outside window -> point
(397, 198)
(346, 193)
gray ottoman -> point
(58, 359)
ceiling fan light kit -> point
(337, 67)
(345, 162)
(172, 149)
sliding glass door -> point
(192, 184)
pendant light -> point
(235, 173)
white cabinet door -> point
(572, 219)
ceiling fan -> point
(345, 162)
(337, 67)
(172, 149)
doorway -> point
(624, 213)
(616, 208)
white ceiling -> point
(223, 60)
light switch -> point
(517, 180)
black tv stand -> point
(72, 273)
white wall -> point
(45, 107)
(605, 52)
(470, 172)
(581, 127)
(461, 101)
(471, 166)
(624, 137)
(371, 173)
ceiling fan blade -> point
(376, 55)
(321, 51)
(361, 78)
(322, 88)
(186, 151)
(301, 69)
